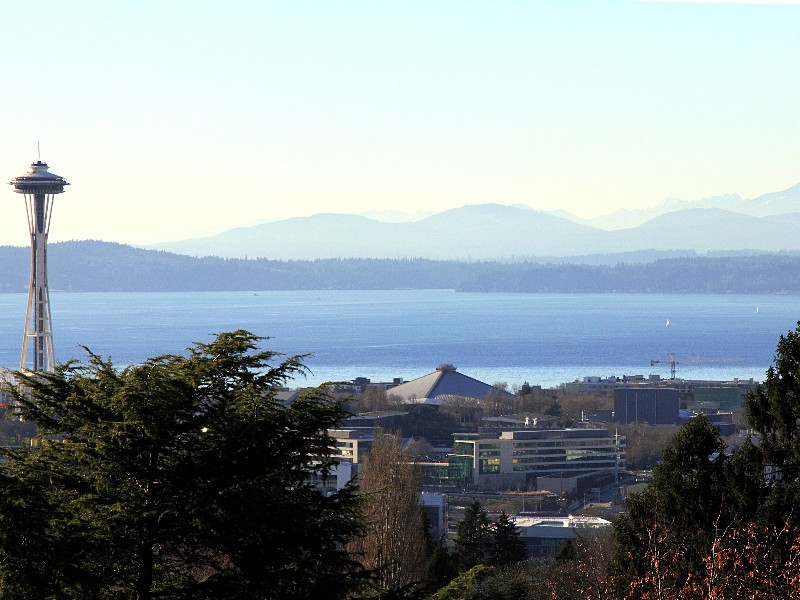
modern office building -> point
(516, 459)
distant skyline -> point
(182, 119)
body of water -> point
(544, 339)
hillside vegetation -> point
(103, 266)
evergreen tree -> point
(473, 537)
(712, 525)
(442, 567)
(463, 587)
(675, 518)
(182, 477)
(773, 410)
(506, 546)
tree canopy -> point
(182, 477)
(773, 410)
(473, 537)
(506, 546)
(718, 521)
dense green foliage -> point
(773, 410)
(483, 582)
(679, 511)
(473, 537)
(506, 547)
(181, 477)
(465, 585)
(479, 541)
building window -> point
(464, 448)
(489, 465)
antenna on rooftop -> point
(38, 151)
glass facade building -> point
(517, 458)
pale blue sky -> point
(178, 119)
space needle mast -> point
(38, 186)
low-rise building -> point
(352, 444)
(547, 535)
(727, 398)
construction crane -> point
(671, 362)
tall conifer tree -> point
(473, 537)
(182, 477)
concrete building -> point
(435, 507)
(728, 398)
(352, 445)
(695, 394)
(516, 459)
(547, 535)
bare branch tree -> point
(393, 546)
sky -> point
(181, 119)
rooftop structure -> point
(547, 535)
(444, 382)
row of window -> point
(593, 456)
(573, 467)
(563, 443)
(585, 463)
(564, 452)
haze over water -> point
(545, 339)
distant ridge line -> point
(497, 232)
(93, 266)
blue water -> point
(544, 339)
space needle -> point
(39, 186)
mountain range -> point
(769, 223)
(766, 205)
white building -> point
(547, 535)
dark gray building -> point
(654, 406)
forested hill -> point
(103, 266)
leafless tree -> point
(394, 545)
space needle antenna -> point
(39, 186)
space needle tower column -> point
(38, 186)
